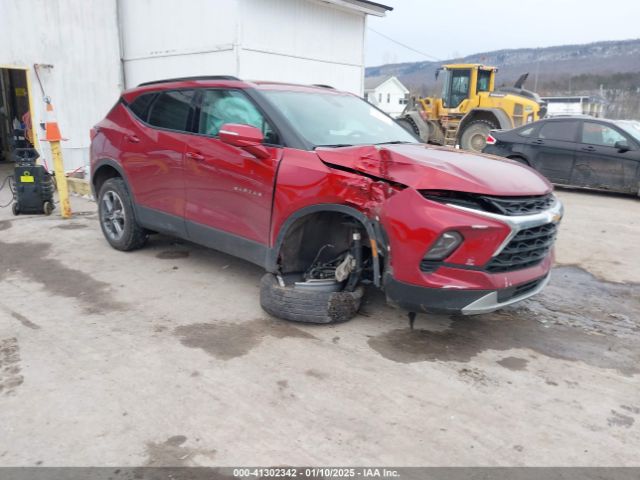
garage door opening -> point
(16, 126)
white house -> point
(83, 53)
(388, 94)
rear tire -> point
(408, 125)
(474, 135)
(47, 208)
(117, 217)
(306, 306)
(15, 209)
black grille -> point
(526, 249)
(519, 290)
(521, 205)
(510, 206)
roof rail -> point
(321, 85)
(185, 79)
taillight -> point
(491, 140)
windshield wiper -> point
(393, 142)
(335, 145)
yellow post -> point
(53, 136)
(61, 180)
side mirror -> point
(622, 146)
(244, 136)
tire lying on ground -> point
(301, 305)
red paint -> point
(223, 183)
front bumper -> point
(415, 298)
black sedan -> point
(576, 151)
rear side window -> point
(526, 132)
(564, 131)
(140, 106)
(173, 110)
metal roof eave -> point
(364, 6)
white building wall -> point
(99, 47)
(168, 39)
(80, 39)
(300, 41)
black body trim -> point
(374, 230)
(228, 243)
(225, 242)
(160, 222)
(111, 163)
(415, 298)
(431, 300)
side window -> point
(231, 106)
(526, 132)
(484, 79)
(598, 134)
(564, 131)
(459, 87)
(140, 106)
(173, 110)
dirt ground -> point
(164, 357)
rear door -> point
(553, 150)
(599, 164)
(229, 191)
(153, 156)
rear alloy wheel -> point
(117, 218)
(474, 135)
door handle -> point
(588, 149)
(195, 156)
(132, 139)
(538, 142)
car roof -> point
(577, 117)
(222, 81)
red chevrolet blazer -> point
(324, 191)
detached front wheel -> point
(308, 305)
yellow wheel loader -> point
(470, 107)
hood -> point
(425, 167)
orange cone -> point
(52, 130)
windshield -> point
(631, 127)
(327, 119)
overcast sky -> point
(451, 28)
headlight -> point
(444, 246)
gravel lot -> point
(164, 357)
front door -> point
(229, 191)
(599, 164)
(553, 151)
